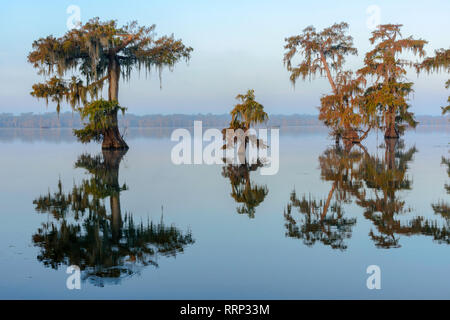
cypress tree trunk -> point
(112, 138)
(116, 217)
(350, 134)
(348, 145)
(112, 161)
(327, 203)
(391, 131)
(337, 139)
(389, 155)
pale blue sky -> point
(237, 45)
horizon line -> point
(188, 114)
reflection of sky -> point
(238, 45)
(233, 256)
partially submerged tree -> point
(440, 62)
(247, 113)
(323, 53)
(101, 116)
(244, 115)
(345, 111)
(389, 92)
(96, 54)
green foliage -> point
(389, 92)
(383, 99)
(73, 92)
(248, 112)
(349, 109)
(101, 117)
(88, 53)
(98, 53)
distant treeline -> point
(72, 120)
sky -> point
(238, 45)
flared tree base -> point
(113, 141)
(391, 132)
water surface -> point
(141, 227)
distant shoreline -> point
(72, 120)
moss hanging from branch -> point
(247, 113)
(390, 90)
(323, 53)
(99, 53)
(439, 63)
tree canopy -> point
(323, 53)
(248, 112)
(89, 51)
(440, 62)
(389, 91)
(97, 53)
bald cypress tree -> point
(388, 94)
(98, 54)
(248, 112)
(323, 53)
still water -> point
(141, 227)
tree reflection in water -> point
(323, 220)
(373, 183)
(442, 208)
(243, 190)
(106, 247)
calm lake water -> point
(141, 227)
